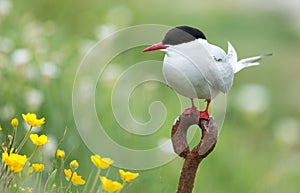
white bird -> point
(197, 69)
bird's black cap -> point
(182, 34)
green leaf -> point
(58, 147)
(50, 182)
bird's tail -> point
(244, 63)
(247, 62)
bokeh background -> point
(43, 42)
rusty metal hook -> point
(199, 152)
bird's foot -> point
(204, 115)
(201, 114)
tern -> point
(194, 68)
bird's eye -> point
(217, 59)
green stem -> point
(107, 172)
(40, 181)
(37, 180)
(13, 139)
(36, 147)
(3, 170)
(123, 186)
(60, 174)
(58, 146)
(69, 182)
(24, 140)
(5, 181)
(95, 180)
(16, 190)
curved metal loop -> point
(179, 134)
(199, 152)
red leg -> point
(191, 109)
(193, 104)
(204, 114)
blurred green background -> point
(258, 150)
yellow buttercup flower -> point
(38, 167)
(32, 120)
(128, 176)
(74, 164)
(14, 122)
(76, 179)
(68, 174)
(0, 128)
(109, 185)
(60, 153)
(39, 140)
(14, 161)
(101, 163)
(4, 156)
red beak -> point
(157, 46)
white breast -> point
(194, 70)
